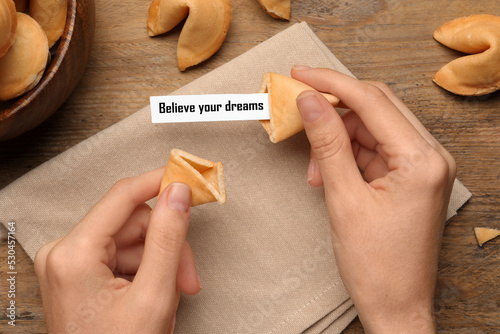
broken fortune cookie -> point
(285, 119)
(206, 178)
(479, 72)
(484, 234)
(279, 9)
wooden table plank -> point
(390, 41)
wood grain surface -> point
(389, 41)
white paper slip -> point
(209, 108)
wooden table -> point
(390, 41)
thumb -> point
(330, 144)
(165, 239)
(313, 173)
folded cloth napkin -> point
(265, 256)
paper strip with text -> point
(210, 107)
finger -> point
(419, 126)
(165, 239)
(135, 227)
(40, 263)
(41, 259)
(358, 132)
(381, 117)
(173, 318)
(313, 173)
(187, 277)
(129, 241)
(109, 215)
(363, 155)
(406, 112)
(129, 258)
(374, 166)
(370, 159)
(330, 144)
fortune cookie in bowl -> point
(279, 9)
(206, 178)
(22, 67)
(51, 15)
(479, 72)
(8, 24)
(285, 119)
(203, 32)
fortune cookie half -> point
(206, 178)
(51, 15)
(203, 32)
(8, 23)
(279, 9)
(22, 67)
(285, 119)
(478, 73)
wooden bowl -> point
(60, 78)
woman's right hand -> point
(387, 185)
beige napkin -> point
(264, 257)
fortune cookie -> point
(206, 178)
(51, 15)
(479, 72)
(22, 67)
(279, 9)
(8, 23)
(285, 119)
(203, 32)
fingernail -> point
(310, 171)
(309, 107)
(199, 281)
(301, 67)
(179, 197)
